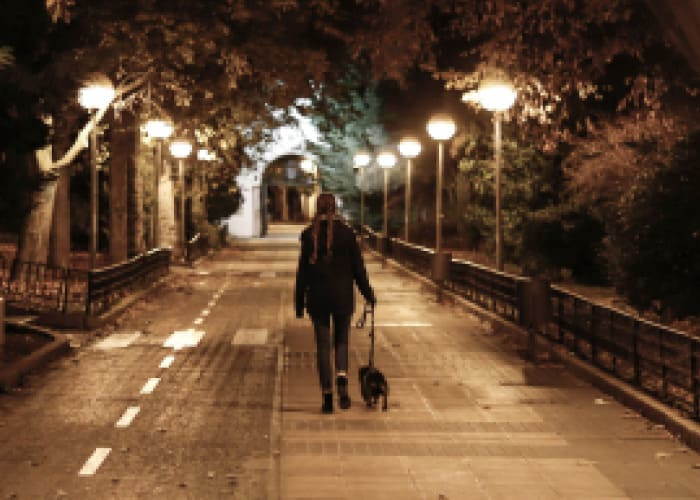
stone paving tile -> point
(468, 418)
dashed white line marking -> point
(184, 338)
(128, 417)
(167, 361)
(205, 312)
(117, 340)
(211, 303)
(93, 463)
(198, 321)
(150, 386)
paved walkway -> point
(468, 418)
(207, 389)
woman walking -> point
(330, 264)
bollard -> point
(441, 271)
(534, 310)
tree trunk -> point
(34, 236)
(122, 145)
(135, 214)
(59, 244)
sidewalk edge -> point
(11, 376)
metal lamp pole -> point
(95, 96)
(497, 96)
(498, 154)
(360, 161)
(441, 128)
(409, 148)
(158, 130)
(181, 149)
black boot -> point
(343, 398)
(327, 403)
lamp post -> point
(158, 130)
(409, 148)
(497, 96)
(441, 128)
(94, 96)
(386, 160)
(181, 149)
(360, 161)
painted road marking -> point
(150, 386)
(117, 340)
(127, 417)
(93, 463)
(405, 324)
(184, 338)
(211, 303)
(167, 361)
(205, 312)
(250, 336)
(198, 321)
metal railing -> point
(660, 360)
(108, 284)
(654, 357)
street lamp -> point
(409, 148)
(181, 149)
(360, 161)
(386, 160)
(441, 128)
(497, 96)
(158, 130)
(95, 96)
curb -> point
(11, 376)
(686, 429)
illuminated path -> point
(208, 390)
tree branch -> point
(81, 141)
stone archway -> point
(289, 191)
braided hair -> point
(325, 207)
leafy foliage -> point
(655, 237)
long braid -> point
(325, 206)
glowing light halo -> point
(409, 147)
(180, 148)
(441, 127)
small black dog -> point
(373, 383)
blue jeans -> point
(322, 332)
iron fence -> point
(653, 357)
(108, 284)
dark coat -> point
(327, 285)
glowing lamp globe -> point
(361, 159)
(496, 96)
(386, 159)
(95, 96)
(159, 129)
(441, 127)
(180, 149)
(203, 154)
(409, 147)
